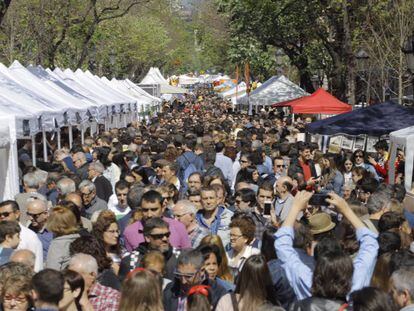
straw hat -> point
(320, 223)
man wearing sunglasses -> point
(189, 272)
(152, 206)
(156, 233)
(9, 210)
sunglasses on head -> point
(160, 235)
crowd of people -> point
(205, 208)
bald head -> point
(83, 263)
(284, 185)
(25, 257)
(75, 199)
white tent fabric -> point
(62, 101)
(188, 80)
(405, 138)
(136, 88)
(154, 77)
(274, 90)
(92, 106)
(20, 101)
(240, 89)
(88, 90)
(124, 88)
(9, 183)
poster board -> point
(335, 143)
(370, 144)
(347, 142)
(360, 142)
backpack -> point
(191, 168)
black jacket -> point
(171, 294)
(295, 168)
(103, 188)
(133, 260)
(317, 304)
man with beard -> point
(152, 206)
(156, 233)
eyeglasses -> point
(359, 156)
(235, 236)
(5, 214)
(160, 235)
(35, 216)
(281, 165)
(17, 299)
(86, 194)
(179, 216)
(187, 276)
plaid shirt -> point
(261, 224)
(197, 235)
(104, 298)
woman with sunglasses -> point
(359, 159)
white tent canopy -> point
(403, 138)
(240, 90)
(154, 76)
(274, 90)
(188, 80)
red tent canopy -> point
(320, 102)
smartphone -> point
(318, 199)
(267, 207)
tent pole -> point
(293, 118)
(44, 145)
(59, 143)
(34, 150)
(82, 134)
(70, 137)
(125, 120)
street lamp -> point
(362, 58)
(279, 61)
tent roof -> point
(375, 120)
(154, 76)
(320, 102)
(275, 90)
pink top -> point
(179, 237)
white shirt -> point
(30, 241)
(113, 206)
(236, 263)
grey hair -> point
(403, 280)
(378, 201)
(187, 206)
(41, 175)
(191, 257)
(66, 185)
(86, 262)
(31, 180)
(87, 184)
(97, 166)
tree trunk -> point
(349, 55)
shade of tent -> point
(275, 90)
(320, 102)
(403, 137)
(376, 120)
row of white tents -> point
(36, 100)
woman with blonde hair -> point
(224, 272)
(141, 292)
(64, 226)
